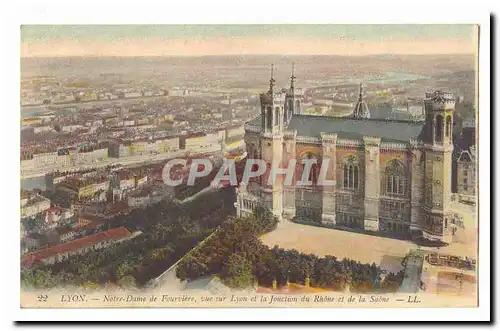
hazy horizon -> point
(236, 40)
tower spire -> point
(361, 110)
(292, 78)
(272, 81)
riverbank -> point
(122, 161)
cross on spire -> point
(272, 81)
(292, 78)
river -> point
(28, 111)
(33, 110)
(391, 77)
(33, 183)
(388, 77)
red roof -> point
(53, 209)
(195, 134)
(111, 234)
(117, 233)
(91, 225)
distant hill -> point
(243, 71)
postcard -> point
(249, 166)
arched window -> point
(351, 173)
(314, 171)
(269, 117)
(253, 151)
(395, 178)
(431, 125)
(439, 128)
(277, 116)
(448, 126)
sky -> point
(199, 40)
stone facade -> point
(399, 184)
(466, 174)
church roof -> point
(352, 128)
(257, 121)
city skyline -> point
(206, 40)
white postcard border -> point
(52, 12)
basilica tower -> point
(272, 108)
(294, 98)
(271, 145)
(438, 148)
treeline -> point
(169, 232)
(236, 254)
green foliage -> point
(90, 285)
(124, 269)
(192, 267)
(392, 282)
(239, 236)
(127, 282)
(237, 272)
(169, 232)
(30, 224)
(236, 253)
(38, 279)
(236, 239)
(265, 220)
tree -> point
(265, 220)
(161, 253)
(123, 270)
(191, 267)
(127, 282)
(169, 232)
(63, 277)
(90, 285)
(33, 224)
(27, 278)
(237, 272)
(43, 279)
(236, 253)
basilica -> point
(390, 176)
